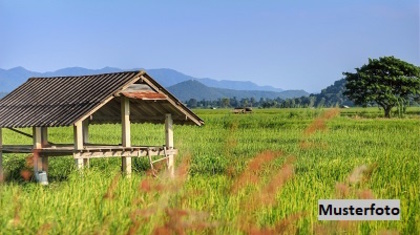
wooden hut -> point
(79, 101)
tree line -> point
(300, 102)
(387, 82)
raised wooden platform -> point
(91, 151)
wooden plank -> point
(144, 95)
(126, 135)
(169, 142)
(136, 153)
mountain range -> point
(181, 85)
(199, 91)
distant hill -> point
(199, 91)
(75, 71)
(237, 85)
(333, 95)
(170, 77)
(12, 78)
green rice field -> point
(259, 173)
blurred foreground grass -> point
(259, 173)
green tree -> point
(225, 102)
(192, 103)
(252, 101)
(386, 81)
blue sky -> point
(286, 44)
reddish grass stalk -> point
(342, 190)
(319, 123)
(251, 172)
(111, 188)
(167, 185)
(43, 229)
(265, 197)
(268, 194)
(180, 221)
(284, 226)
(29, 163)
(366, 194)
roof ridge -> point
(87, 75)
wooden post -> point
(1, 156)
(44, 136)
(126, 135)
(85, 128)
(78, 143)
(37, 145)
(125, 120)
(85, 125)
(169, 142)
(37, 137)
(44, 142)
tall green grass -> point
(239, 174)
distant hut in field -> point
(80, 101)
(243, 110)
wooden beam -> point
(78, 142)
(169, 142)
(171, 99)
(126, 135)
(111, 153)
(1, 156)
(129, 83)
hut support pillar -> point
(126, 135)
(85, 130)
(169, 142)
(40, 139)
(85, 125)
(78, 143)
(37, 143)
(1, 156)
(44, 142)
